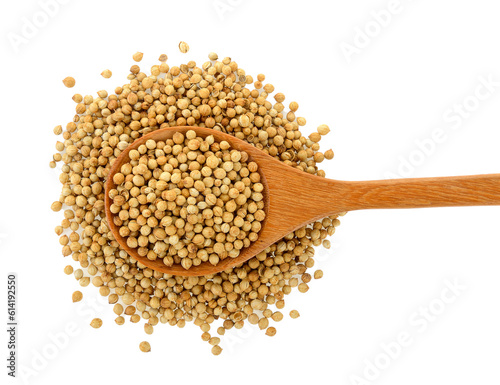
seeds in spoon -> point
(188, 200)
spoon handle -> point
(473, 190)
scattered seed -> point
(206, 336)
(145, 346)
(77, 296)
(96, 323)
(118, 309)
(216, 350)
(318, 274)
(56, 206)
(106, 74)
(294, 314)
(78, 273)
(303, 288)
(69, 82)
(323, 129)
(263, 323)
(148, 328)
(183, 47)
(137, 56)
(58, 130)
(277, 316)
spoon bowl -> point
(205, 268)
(293, 198)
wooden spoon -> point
(294, 198)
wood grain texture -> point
(294, 198)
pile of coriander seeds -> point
(217, 95)
(187, 200)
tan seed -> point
(294, 314)
(106, 74)
(96, 323)
(145, 346)
(183, 47)
(77, 296)
(69, 82)
(137, 56)
(216, 350)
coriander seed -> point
(318, 274)
(183, 47)
(323, 129)
(145, 347)
(69, 82)
(329, 154)
(294, 314)
(106, 74)
(77, 296)
(137, 56)
(96, 323)
(216, 350)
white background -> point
(383, 266)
